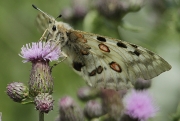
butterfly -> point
(103, 62)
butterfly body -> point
(105, 62)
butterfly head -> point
(56, 30)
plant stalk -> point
(41, 116)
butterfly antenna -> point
(58, 16)
(40, 10)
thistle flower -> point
(69, 110)
(44, 102)
(77, 10)
(112, 103)
(39, 54)
(17, 91)
(117, 8)
(86, 93)
(93, 109)
(111, 8)
(40, 51)
(139, 105)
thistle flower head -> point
(77, 10)
(69, 110)
(40, 54)
(17, 91)
(93, 109)
(44, 102)
(117, 8)
(86, 93)
(112, 103)
(40, 51)
(66, 102)
(140, 105)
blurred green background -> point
(155, 26)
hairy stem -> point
(41, 116)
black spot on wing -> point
(92, 73)
(102, 39)
(133, 45)
(136, 52)
(120, 44)
(77, 65)
(99, 69)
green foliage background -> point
(159, 32)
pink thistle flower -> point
(39, 54)
(40, 51)
(140, 105)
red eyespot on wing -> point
(116, 67)
(104, 47)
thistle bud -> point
(44, 102)
(69, 110)
(117, 8)
(17, 91)
(86, 93)
(77, 11)
(112, 103)
(111, 8)
(93, 109)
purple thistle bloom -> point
(40, 51)
(40, 54)
(140, 105)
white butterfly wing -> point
(111, 63)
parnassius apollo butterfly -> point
(104, 62)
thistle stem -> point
(41, 116)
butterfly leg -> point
(65, 57)
(52, 43)
(43, 36)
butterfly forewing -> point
(42, 22)
(105, 62)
